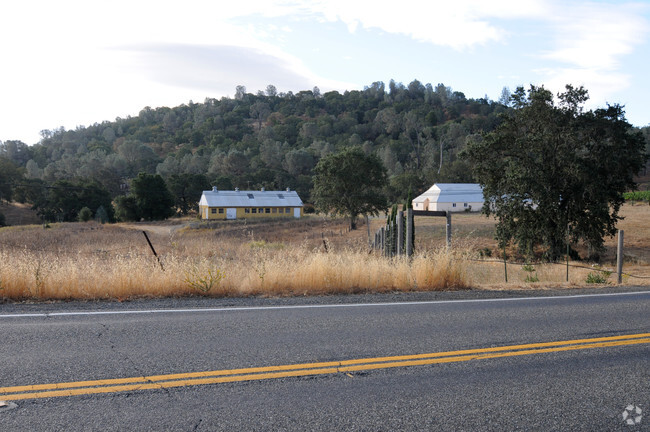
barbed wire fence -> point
(146, 249)
(388, 243)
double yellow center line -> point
(306, 369)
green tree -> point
(350, 183)
(63, 200)
(94, 195)
(186, 190)
(401, 185)
(549, 168)
(10, 174)
(126, 208)
(298, 162)
(85, 214)
(16, 151)
(153, 199)
(61, 203)
(260, 111)
(101, 215)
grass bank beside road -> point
(311, 256)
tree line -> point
(270, 139)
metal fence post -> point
(448, 229)
(619, 257)
(409, 232)
(400, 233)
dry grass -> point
(18, 214)
(274, 258)
(92, 261)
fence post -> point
(153, 250)
(368, 227)
(448, 229)
(409, 232)
(387, 241)
(400, 233)
(568, 251)
(619, 257)
(382, 235)
(505, 263)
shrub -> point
(485, 252)
(204, 279)
(85, 214)
(637, 196)
(598, 278)
(530, 269)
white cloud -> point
(460, 24)
(596, 35)
(590, 41)
(214, 69)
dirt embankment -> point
(19, 214)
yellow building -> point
(216, 204)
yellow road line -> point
(305, 369)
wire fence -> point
(142, 250)
(563, 264)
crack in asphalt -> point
(133, 364)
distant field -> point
(313, 255)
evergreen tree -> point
(152, 197)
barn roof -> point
(452, 192)
(237, 198)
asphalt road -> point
(575, 389)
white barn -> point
(455, 197)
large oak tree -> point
(350, 183)
(552, 167)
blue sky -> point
(73, 63)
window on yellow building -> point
(267, 210)
(220, 211)
(214, 211)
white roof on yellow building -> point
(237, 198)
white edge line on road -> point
(316, 306)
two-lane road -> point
(572, 362)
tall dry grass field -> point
(313, 255)
(92, 261)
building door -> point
(296, 212)
(231, 213)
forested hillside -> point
(267, 139)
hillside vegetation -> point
(271, 139)
(254, 140)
